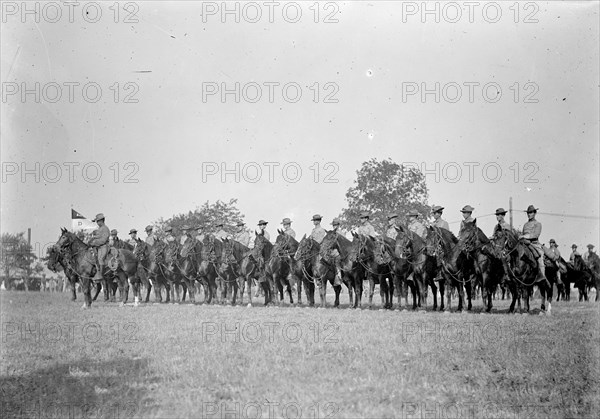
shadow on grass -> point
(121, 388)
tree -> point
(383, 187)
(17, 256)
(205, 217)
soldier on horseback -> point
(318, 233)
(391, 232)
(467, 211)
(287, 227)
(415, 225)
(221, 234)
(262, 224)
(502, 225)
(99, 240)
(336, 255)
(438, 221)
(574, 253)
(151, 237)
(186, 234)
(133, 238)
(242, 234)
(366, 228)
(531, 232)
(114, 240)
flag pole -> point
(510, 211)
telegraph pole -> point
(510, 212)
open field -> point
(179, 360)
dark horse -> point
(580, 274)
(520, 264)
(308, 250)
(412, 249)
(443, 244)
(84, 264)
(188, 264)
(56, 257)
(281, 264)
(212, 248)
(485, 257)
(236, 264)
(261, 254)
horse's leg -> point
(337, 289)
(323, 291)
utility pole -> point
(510, 212)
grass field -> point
(182, 360)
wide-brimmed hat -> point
(133, 230)
(392, 215)
(574, 246)
(149, 228)
(531, 208)
(240, 223)
(98, 217)
(185, 227)
(262, 222)
(316, 217)
(286, 221)
(336, 222)
(590, 246)
(113, 232)
(437, 208)
(501, 211)
(364, 214)
(552, 241)
(413, 213)
(168, 229)
(467, 208)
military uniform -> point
(531, 231)
(265, 233)
(290, 232)
(318, 234)
(221, 234)
(501, 226)
(99, 240)
(463, 223)
(574, 253)
(243, 237)
(391, 232)
(441, 223)
(367, 229)
(416, 227)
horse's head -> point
(469, 239)
(140, 251)
(66, 238)
(305, 248)
(284, 244)
(362, 247)
(52, 258)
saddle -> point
(112, 258)
(530, 254)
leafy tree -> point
(383, 187)
(205, 217)
(17, 255)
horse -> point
(212, 248)
(351, 272)
(552, 270)
(443, 244)
(84, 264)
(188, 265)
(56, 257)
(141, 252)
(156, 271)
(593, 263)
(308, 250)
(520, 264)
(412, 249)
(485, 256)
(280, 266)
(580, 274)
(236, 261)
(333, 254)
(261, 253)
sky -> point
(152, 109)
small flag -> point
(79, 222)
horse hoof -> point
(249, 305)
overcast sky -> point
(358, 78)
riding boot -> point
(338, 278)
(98, 277)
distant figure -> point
(437, 211)
(287, 227)
(262, 225)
